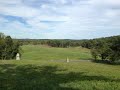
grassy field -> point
(36, 52)
(36, 72)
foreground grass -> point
(45, 75)
(36, 52)
(44, 68)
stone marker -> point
(67, 60)
(17, 56)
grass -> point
(36, 52)
(55, 75)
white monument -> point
(17, 56)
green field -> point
(36, 52)
(45, 68)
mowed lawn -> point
(32, 73)
(37, 52)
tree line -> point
(63, 43)
(106, 48)
(8, 47)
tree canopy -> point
(8, 47)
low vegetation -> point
(54, 75)
(40, 52)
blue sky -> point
(60, 19)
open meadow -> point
(38, 52)
(45, 68)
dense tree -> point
(107, 48)
(8, 48)
(16, 49)
(115, 49)
(94, 53)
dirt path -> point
(69, 60)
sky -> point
(60, 19)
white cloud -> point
(80, 16)
(21, 11)
(6, 2)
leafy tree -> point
(94, 53)
(8, 48)
(16, 49)
(115, 49)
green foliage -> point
(8, 48)
(53, 43)
(16, 49)
(115, 49)
(107, 48)
(94, 53)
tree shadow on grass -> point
(31, 77)
(106, 62)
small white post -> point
(67, 60)
(17, 56)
